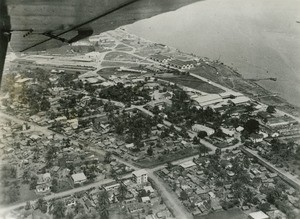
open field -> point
(121, 56)
(191, 82)
(122, 47)
(148, 162)
(119, 64)
(107, 72)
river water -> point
(260, 38)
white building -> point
(187, 164)
(258, 215)
(198, 128)
(140, 176)
(240, 100)
(209, 99)
(43, 189)
(78, 178)
(227, 131)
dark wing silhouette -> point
(43, 24)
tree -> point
(202, 150)
(103, 205)
(54, 184)
(70, 215)
(45, 104)
(79, 208)
(219, 183)
(156, 110)
(59, 210)
(107, 158)
(196, 140)
(27, 206)
(42, 205)
(26, 176)
(169, 165)
(271, 109)
(264, 207)
(150, 151)
(218, 152)
(122, 191)
(51, 154)
(183, 195)
(202, 134)
(251, 126)
(247, 162)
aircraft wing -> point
(43, 24)
(44, 19)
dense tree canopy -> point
(127, 94)
(251, 126)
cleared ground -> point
(191, 82)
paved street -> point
(170, 199)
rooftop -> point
(258, 215)
(208, 99)
(240, 99)
(138, 173)
(187, 164)
(78, 177)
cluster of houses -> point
(27, 151)
(187, 178)
(200, 195)
(141, 199)
(278, 125)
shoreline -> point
(279, 102)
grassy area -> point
(119, 64)
(26, 193)
(106, 72)
(121, 56)
(189, 81)
(230, 214)
(122, 47)
(64, 186)
(150, 162)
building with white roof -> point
(240, 100)
(199, 128)
(140, 176)
(227, 131)
(230, 94)
(207, 100)
(78, 178)
(187, 164)
(258, 215)
(146, 199)
(148, 188)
